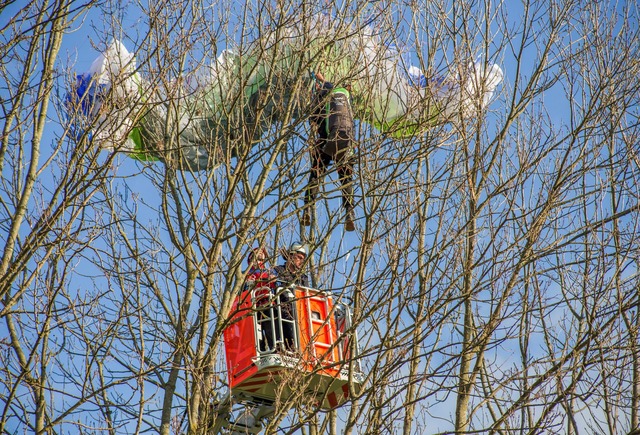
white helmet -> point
(297, 247)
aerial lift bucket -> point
(288, 341)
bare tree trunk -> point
(421, 311)
(180, 239)
(467, 351)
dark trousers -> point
(322, 154)
(271, 331)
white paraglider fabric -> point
(110, 97)
(111, 78)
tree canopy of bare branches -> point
(493, 274)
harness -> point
(339, 114)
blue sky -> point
(141, 195)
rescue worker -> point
(259, 277)
(258, 271)
(332, 120)
(291, 271)
(287, 274)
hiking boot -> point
(349, 225)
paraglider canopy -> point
(242, 93)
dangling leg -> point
(319, 165)
(345, 173)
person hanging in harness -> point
(332, 120)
